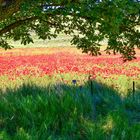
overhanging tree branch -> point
(16, 24)
(112, 20)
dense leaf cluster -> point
(88, 21)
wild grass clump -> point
(68, 112)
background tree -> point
(115, 20)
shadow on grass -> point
(68, 112)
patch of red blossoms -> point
(64, 62)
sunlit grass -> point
(58, 108)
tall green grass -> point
(50, 109)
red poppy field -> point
(47, 61)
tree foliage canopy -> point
(117, 21)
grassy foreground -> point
(45, 94)
(49, 109)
